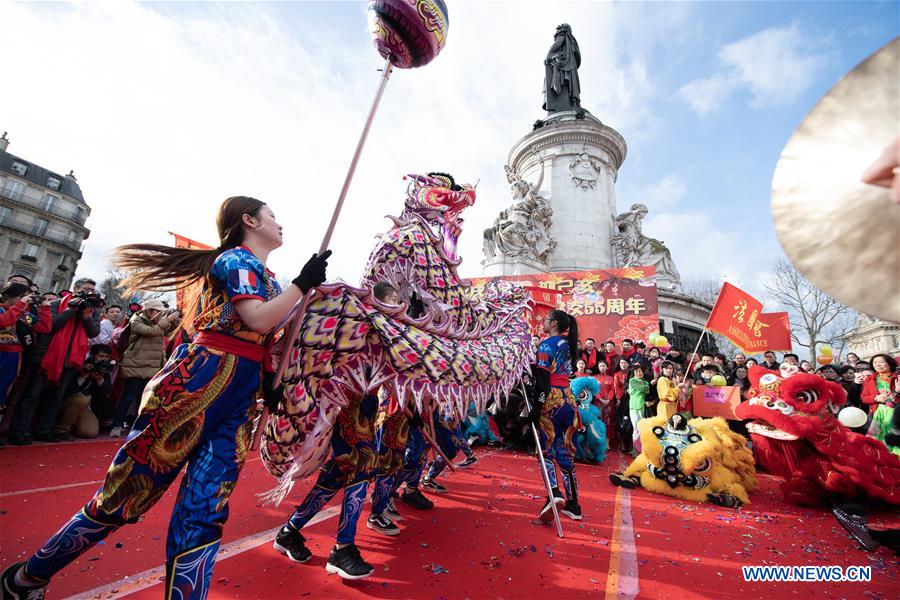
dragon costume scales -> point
(459, 350)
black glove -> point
(313, 272)
(416, 420)
(272, 395)
(416, 306)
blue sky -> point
(178, 105)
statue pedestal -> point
(499, 266)
(582, 159)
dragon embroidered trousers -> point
(354, 456)
(559, 421)
(195, 412)
(392, 438)
(450, 438)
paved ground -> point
(480, 541)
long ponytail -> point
(569, 325)
(154, 267)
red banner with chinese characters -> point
(609, 305)
(186, 295)
(738, 316)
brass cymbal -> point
(841, 234)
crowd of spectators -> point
(71, 365)
(637, 381)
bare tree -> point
(113, 294)
(706, 289)
(816, 318)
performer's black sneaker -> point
(572, 510)
(470, 460)
(546, 514)
(416, 500)
(347, 563)
(289, 542)
(10, 590)
(391, 511)
(382, 524)
(432, 485)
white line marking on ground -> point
(628, 567)
(49, 489)
(147, 579)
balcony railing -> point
(37, 201)
(28, 228)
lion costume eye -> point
(704, 466)
(807, 396)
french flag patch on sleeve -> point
(243, 281)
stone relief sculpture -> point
(585, 170)
(633, 248)
(523, 229)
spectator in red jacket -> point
(610, 357)
(591, 356)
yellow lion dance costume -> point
(697, 460)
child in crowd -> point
(638, 388)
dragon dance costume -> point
(354, 456)
(449, 436)
(196, 412)
(559, 415)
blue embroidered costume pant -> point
(410, 473)
(196, 413)
(354, 454)
(450, 439)
(558, 424)
(392, 438)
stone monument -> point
(566, 220)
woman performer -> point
(555, 412)
(197, 410)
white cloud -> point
(163, 112)
(705, 96)
(775, 66)
(663, 195)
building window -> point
(53, 183)
(13, 189)
(79, 214)
(40, 226)
(31, 250)
(66, 263)
(5, 212)
(19, 168)
(49, 202)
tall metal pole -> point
(300, 309)
(537, 443)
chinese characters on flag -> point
(738, 316)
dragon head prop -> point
(789, 405)
(796, 437)
(439, 200)
(699, 460)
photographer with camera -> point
(76, 319)
(16, 305)
(76, 416)
(144, 356)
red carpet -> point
(480, 541)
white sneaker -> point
(115, 432)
